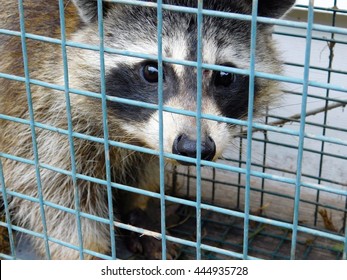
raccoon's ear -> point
(274, 8)
(88, 9)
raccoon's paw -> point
(149, 247)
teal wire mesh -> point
(319, 210)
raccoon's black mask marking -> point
(233, 100)
(127, 82)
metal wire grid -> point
(297, 183)
(309, 246)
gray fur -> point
(226, 42)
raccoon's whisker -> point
(128, 155)
(174, 121)
(257, 156)
(67, 4)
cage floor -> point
(224, 232)
(265, 241)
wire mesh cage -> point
(278, 192)
(275, 153)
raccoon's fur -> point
(134, 28)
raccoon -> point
(47, 162)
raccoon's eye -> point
(224, 79)
(150, 72)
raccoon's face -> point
(226, 42)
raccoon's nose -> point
(186, 147)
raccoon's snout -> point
(186, 147)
